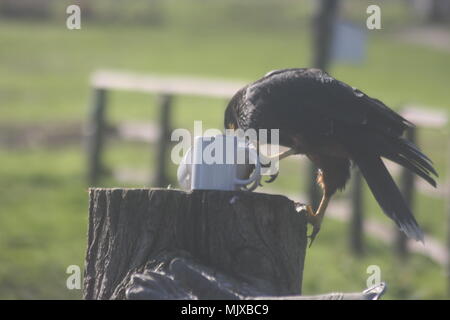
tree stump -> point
(163, 243)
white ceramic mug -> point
(218, 163)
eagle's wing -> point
(315, 93)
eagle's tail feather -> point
(387, 194)
(410, 165)
(406, 154)
(411, 151)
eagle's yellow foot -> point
(315, 220)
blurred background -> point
(47, 103)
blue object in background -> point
(349, 43)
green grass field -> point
(44, 80)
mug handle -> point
(256, 173)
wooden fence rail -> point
(407, 189)
(165, 88)
(95, 133)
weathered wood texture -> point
(257, 239)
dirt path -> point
(429, 36)
(19, 136)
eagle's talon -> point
(313, 235)
(315, 221)
(272, 178)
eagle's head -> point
(231, 119)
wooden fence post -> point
(95, 135)
(356, 222)
(161, 241)
(323, 32)
(165, 106)
(407, 188)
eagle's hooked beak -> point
(231, 126)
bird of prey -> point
(335, 126)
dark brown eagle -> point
(334, 125)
